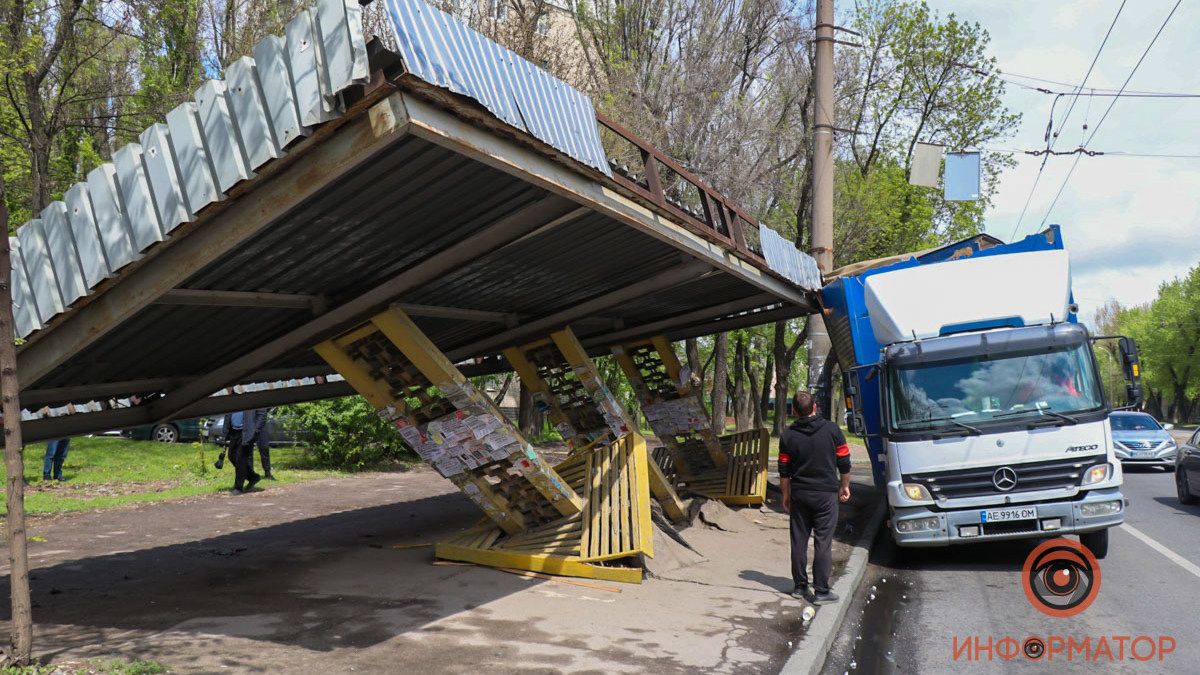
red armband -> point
(843, 450)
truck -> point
(979, 393)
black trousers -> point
(264, 456)
(242, 457)
(816, 514)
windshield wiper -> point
(1041, 411)
(972, 430)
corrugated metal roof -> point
(783, 257)
(441, 50)
(206, 146)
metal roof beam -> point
(119, 418)
(680, 320)
(32, 398)
(193, 296)
(675, 276)
(480, 315)
(345, 316)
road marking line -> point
(1171, 555)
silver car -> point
(1139, 439)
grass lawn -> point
(106, 471)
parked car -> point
(1187, 470)
(1140, 440)
(280, 431)
(167, 432)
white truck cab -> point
(980, 396)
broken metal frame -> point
(583, 518)
(694, 458)
(565, 381)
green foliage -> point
(1166, 331)
(347, 433)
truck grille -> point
(1032, 476)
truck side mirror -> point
(1133, 371)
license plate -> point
(1005, 515)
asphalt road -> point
(923, 599)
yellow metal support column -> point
(589, 516)
(564, 380)
(671, 405)
(441, 417)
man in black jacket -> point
(241, 433)
(812, 452)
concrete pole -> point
(821, 240)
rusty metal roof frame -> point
(708, 284)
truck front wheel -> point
(1096, 542)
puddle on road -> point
(886, 606)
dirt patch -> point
(330, 575)
(83, 491)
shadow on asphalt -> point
(771, 581)
(320, 583)
(1174, 503)
(1143, 468)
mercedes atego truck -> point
(979, 394)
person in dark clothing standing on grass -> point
(812, 454)
(241, 433)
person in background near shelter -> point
(56, 454)
(264, 442)
(812, 452)
(241, 433)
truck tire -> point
(1096, 542)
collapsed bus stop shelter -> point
(335, 217)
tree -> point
(1166, 333)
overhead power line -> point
(1108, 110)
(1049, 143)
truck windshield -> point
(973, 391)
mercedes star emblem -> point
(1004, 479)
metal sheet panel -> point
(439, 49)
(249, 113)
(25, 318)
(63, 257)
(164, 177)
(307, 76)
(783, 257)
(110, 219)
(274, 72)
(221, 137)
(337, 45)
(87, 238)
(196, 171)
(136, 199)
(36, 256)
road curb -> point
(809, 656)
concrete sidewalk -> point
(306, 578)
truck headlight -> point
(916, 492)
(1097, 474)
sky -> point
(1130, 223)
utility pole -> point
(14, 464)
(821, 235)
